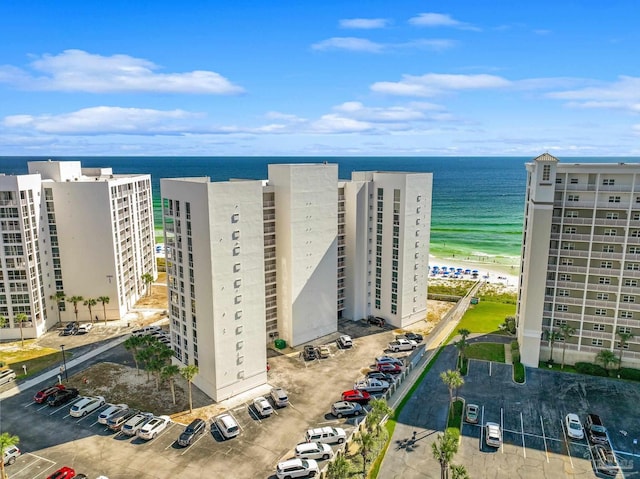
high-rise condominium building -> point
(76, 231)
(249, 261)
(580, 267)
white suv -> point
(227, 425)
(314, 450)
(153, 427)
(297, 468)
(327, 435)
(86, 405)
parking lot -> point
(51, 438)
(535, 442)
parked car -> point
(371, 385)
(605, 460)
(86, 405)
(344, 341)
(10, 455)
(153, 427)
(376, 320)
(297, 468)
(493, 434)
(227, 425)
(389, 359)
(262, 406)
(191, 432)
(84, 328)
(381, 376)
(62, 396)
(130, 428)
(411, 336)
(145, 331)
(7, 375)
(402, 345)
(309, 353)
(63, 473)
(71, 328)
(42, 395)
(342, 409)
(119, 419)
(104, 416)
(471, 412)
(390, 368)
(596, 432)
(314, 450)
(355, 395)
(323, 352)
(279, 397)
(326, 435)
(573, 425)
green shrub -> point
(630, 373)
(591, 369)
(514, 346)
(518, 372)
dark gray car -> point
(191, 432)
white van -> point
(7, 375)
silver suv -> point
(10, 455)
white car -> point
(493, 435)
(389, 360)
(371, 385)
(153, 427)
(326, 435)
(402, 345)
(314, 450)
(227, 425)
(262, 406)
(297, 468)
(86, 405)
(110, 411)
(130, 428)
(84, 328)
(345, 341)
(574, 427)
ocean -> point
(477, 208)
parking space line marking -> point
(482, 430)
(566, 441)
(254, 414)
(489, 368)
(196, 441)
(38, 458)
(544, 440)
(502, 429)
(29, 404)
(524, 449)
(40, 474)
(42, 407)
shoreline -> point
(497, 273)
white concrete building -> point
(81, 231)
(286, 258)
(580, 261)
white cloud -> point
(438, 20)
(433, 84)
(77, 70)
(428, 44)
(357, 110)
(348, 43)
(106, 120)
(333, 123)
(623, 94)
(364, 23)
(276, 115)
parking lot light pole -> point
(64, 364)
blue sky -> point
(258, 78)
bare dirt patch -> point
(157, 298)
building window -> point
(634, 249)
(604, 280)
(546, 172)
(568, 245)
(597, 342)
(562, 307)
(560, 322)
(606, 264)
(624, 330)
(602, 296)
(626, 314)
(574, 181)
(558, 180)
(598, 327)
(566, 261)
(600, 312)
(573, 198)
(571, 230)
(627, 298)
(633, 266)
(610, 232)
(631, 282)
(614, 199)
(563, 292)
(612, 215)
(608, 181)
(608, 248)
(564, 277)
(571, 214)
(635, 233)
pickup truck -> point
(402, 345)
(371, 385)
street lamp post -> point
(64, 364)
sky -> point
(330, 78)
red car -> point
(63, 473)
(355, 395)
(389, 368)
(42, 395)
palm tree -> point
(464, 333)
(3, 321)
(104, 300)
(379, 409)
(338, 468)
(461, 345)
(453, 380)
(6, 441)
(58, 298)
(90, 303)
(188, 373)
(606, 358)
(552, 337)
(624, 339)
(159, 354)
(566, 332)
(458, 471)
(147, 279)
(75, 300)
(134, 343)
(365, 443)
(169, 372)
(443, 450)
(21, 318)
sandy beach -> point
(493, 272)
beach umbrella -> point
(467, 271)
(458, 269)
(475, 271)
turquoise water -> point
(477, 208)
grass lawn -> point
(454, 422)
(486, 351)
(486, 316)
(34, 357)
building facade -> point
(580, 268)
(72, 231)
(286, 258)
